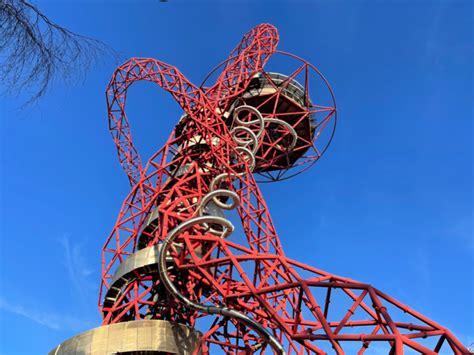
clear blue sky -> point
(391, 203)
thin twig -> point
(35, 50)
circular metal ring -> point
(242, 142)
(251, 156)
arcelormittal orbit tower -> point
(181, 274)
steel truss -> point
(307, 310)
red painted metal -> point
(308, 310)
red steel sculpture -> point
(251, 298)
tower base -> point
(134, 337)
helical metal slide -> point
(248, 146)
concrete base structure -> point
(135, 337)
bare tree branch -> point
(34, 50)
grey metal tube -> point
(228, 228)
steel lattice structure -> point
(172, 252)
